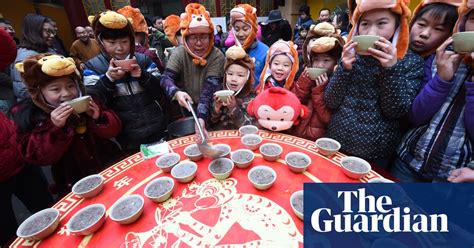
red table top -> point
(205, 212)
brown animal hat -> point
(196, 20)
(399, 7)
(323, 29)
(237, 55)
(248, 15)
(37, 71)
(111, 21)
(171, 27)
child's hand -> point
(230, 103)
(386, 53)
(447, 62)
(93, 111)
(322, 79)
(116, 73)
(136, 71)
(60, 114)
(348, 55)
(461, 175)
(217, 104)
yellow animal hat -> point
(171, 27)
(196, 20)
(248, 15)
(401, 37)
(111, 21)
(280, 47)
(37, 71)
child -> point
(442, 116)
(281, 66)
(301, 38)
(370, 95)
(48, 131)
(238, 77)
(432, 24)
(323, 52)
(243, 19)
(135, 95)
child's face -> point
(281, 67)
(242, 31)
(323, 60)
(428, 33)
(303, 33)
(60, 90)
(380, 22)
(236, 77)
(470, 22)
(117, 48)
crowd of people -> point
(405, 105)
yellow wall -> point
(15, 10)
(316, 5)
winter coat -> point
(11, 162)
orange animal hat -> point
(464, 9)
(248, 15)
(137, 19)
(171, 27)
(401, 37)
(280, 47)
(196, 20)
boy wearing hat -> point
(439, 147)
(369, 95)
(133, 93)
(194, 71)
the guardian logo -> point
(375, 214)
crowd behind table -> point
(405, 105)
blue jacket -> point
(258, 50)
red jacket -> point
(11, 162)
(72, 154)
(315, 126)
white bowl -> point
(166, 161)
(195, 156)
(80, 104)
(380, 180)
(223, 147)
(251, 136)
(85, 189)
(242, 164)
(248, 129)
(95, 221)
(327, 146)
(349, 165)
(270, 157)
(315, 72)
(293, 197)
(218, 174)
(262, 185)
(224, 94)
(30, 228)
(163, 196)
(297, 168)
(132, 203)
(184, 177)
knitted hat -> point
(280, 47)
(248, 15)
(237, 55)
(112, 22)
(196, 20)
(464, 9)
(7, 49)
(317, 31)
(38, 70)
(401, 37)
(171, 27)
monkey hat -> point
(113, 24)
(401, 37)
(171, 27)
(37, 71)
(248, 15)
(196, 20)
(331, 39)
(237, 55)
(138, 20)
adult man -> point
(84, 48)
(275, 28)
(324, 15)
(90, 32)
(158, 23)
(158, 39)
(7, 26)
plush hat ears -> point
(366, 5)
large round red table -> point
(206, 212)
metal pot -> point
(181, 127)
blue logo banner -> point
(388, 215)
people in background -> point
(7, 26)
(84, 48)
(304, 20)
(58, 44)
(275, 28)
(324, 15)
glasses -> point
(195, 38)
(49, 31)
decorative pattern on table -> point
(270, 222)
(121, 166)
